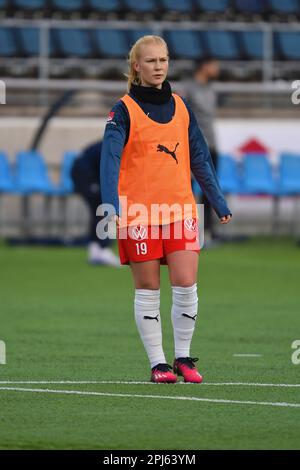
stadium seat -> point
(213, 6)
(251, 6)
(135, 34)
(257, 175)
(110, 42)
(6, 180)
(72, 42)
(104, 6)
(67, 7)
(142, 6)
(32, 174)
(287, 44)
(222, 44)
(29, 41)
(29, 5)
(66, 182)
(184, 44)
(228, 175)
(177, 6)
(252, 42)
(8, 47)
(289, 174)
(285, 7)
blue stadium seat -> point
(184, 44)
(29, 40)
(32, 174)
(110, 42)
(285, 7)
(142, 6)
(104, 6)
(29, 5)
(135, 34)
(6, 180)
(177, 5)
(288, 45)
(214, 6)
(257, 175)
(66, 183)
(252, 42)
(8, 47)
(251, 6)
(72, 42)
(222, 44)
(228, 174)
(289, 174)
(69, 6)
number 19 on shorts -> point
(141, 248)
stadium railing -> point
(235, 44)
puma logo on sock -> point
(189, 316)
(151, 318)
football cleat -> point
(185, 367)
(162, 373)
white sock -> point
(146, 304)
(184, 313)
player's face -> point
(152, 65)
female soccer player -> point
(151, 144)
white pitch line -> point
(253, 384)
(120, 382)
(247, 355)
(45, 382)
(158, 397)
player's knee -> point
(184, 282)
(151, 285)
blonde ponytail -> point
(134, 54)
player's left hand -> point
(225, 219)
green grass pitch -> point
(63, 320)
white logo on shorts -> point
(190, 224)
(139, 232)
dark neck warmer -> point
(152, 95)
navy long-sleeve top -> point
(116, 136)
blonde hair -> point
(134, 54)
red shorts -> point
(145, 243)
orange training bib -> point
(155, 178)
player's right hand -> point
(225, 219)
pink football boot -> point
(162, 373)
(185, 366)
